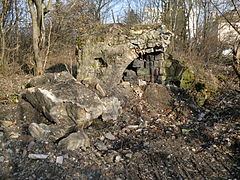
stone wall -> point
(116, 52)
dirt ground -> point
(185, 141)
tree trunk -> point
(17, 29)
(38, 11)
(5, 6)
(3, 46)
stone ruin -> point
(116, 52)
(107, 55)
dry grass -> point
(13, 78)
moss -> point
(187, 79)
(221, 77)
(200, 84)
(201, 97)
(13, 99)
(26, 85)
(94, 65)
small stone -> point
(14, 135)
(201, 116)
(111, 156)
(129, 155)
(65, 156)
(30, 145)
(118, 158)
(59, 160)
(102, 138)
(38, 156)
(75, 141)
(142, 82)
(39, 131)
(1, 159)
(101, 146)
(110, 136)
(139, 130)
(9, 151)
(1, 134)
(146, 144)
(133, 126)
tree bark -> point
(38, 11)
(5, 7)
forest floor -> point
(185, 141)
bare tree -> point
(100, 8)
(131, 17)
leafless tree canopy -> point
(32, 31)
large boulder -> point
(68, 105)
(157, 96)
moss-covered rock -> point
(172, 69)
(187, 79)
(200, 84)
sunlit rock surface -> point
(68, 105)
(106, 51)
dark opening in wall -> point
(147, 67)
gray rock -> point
(9, 151)
(158, 96)
(69, 106)
(1, 159)
(100, 90)
(75, 141)
(129, 155)
(101, 146)
(40, 131)
(110, 136)
(137, 63)
(112, 108)
(66, 156)
(38, 156)
(65, 102)
(59, 160)
(118, 158)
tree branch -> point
(228, 21)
